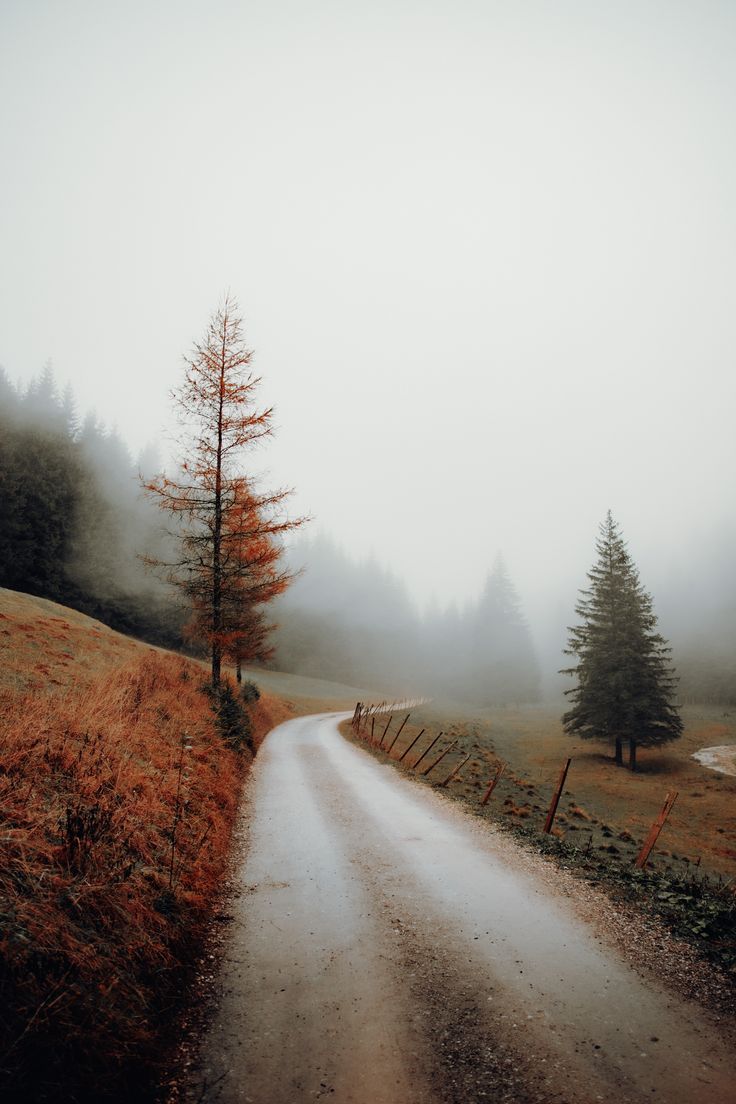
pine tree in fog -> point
(504, 665)
(625, 684)
(72, 518)
(350, 622)
(355, 622)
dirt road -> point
(389, 949)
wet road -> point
(387, 948)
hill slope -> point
(117, 800)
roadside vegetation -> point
(119, 786)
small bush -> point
(250, 693)
(233, 721)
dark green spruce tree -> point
(625, 683)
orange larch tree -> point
(252, 574)
(229, 534)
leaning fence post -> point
(556, 798)
(493, 783)
(656, 828)
(388, 725)
(391, 745)
(439, 758)
(373, 722)
(454, 771)
(426, 751)
(406, 750)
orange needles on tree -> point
(227, 530)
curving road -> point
(388, 948)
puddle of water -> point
(721, 759)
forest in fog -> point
(75, 526)
(73, 521)
(355, 622)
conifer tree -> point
(505, 667)
(252, 575)
(625, 684)
(224, 526)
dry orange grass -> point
(117, 801)
(46, 646)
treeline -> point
(356, 623)
(74, 525)
(73, 520)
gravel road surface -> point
(388, 948)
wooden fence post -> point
(406, 750)
(454, 771)
(426, 751)
(656, 828)
(373, 734)
(493, 783)
(388, 725)
(439, 758)
(556, 799)
(391, 745)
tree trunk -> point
(216, 663)
(632, 755)
(619, 752)
(217, 532)
(238, 671)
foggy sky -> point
(485, 253)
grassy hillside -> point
(311, 695)
(117, 800)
